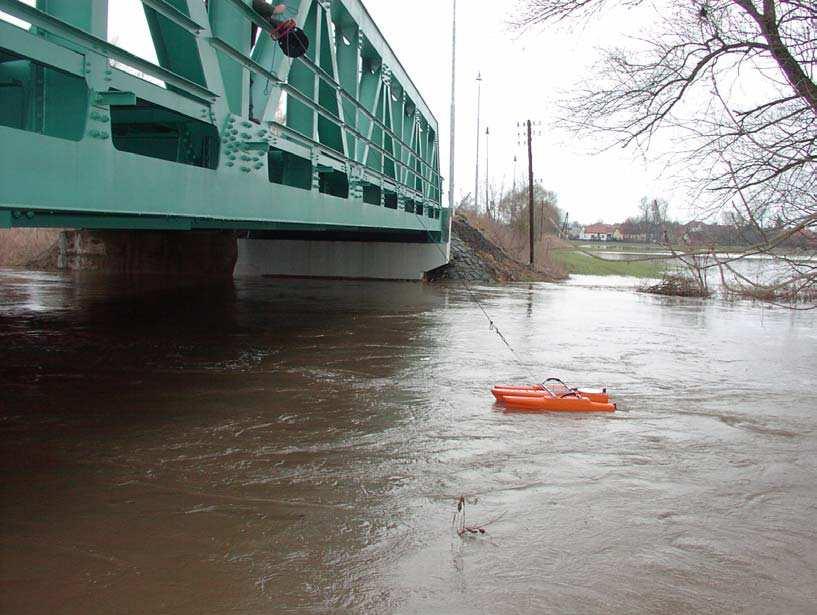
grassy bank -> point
(576, 262)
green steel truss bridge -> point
(225, 132)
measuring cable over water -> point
(472, 295)
(553, 395)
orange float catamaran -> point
(553, 396)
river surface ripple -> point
(299, 447)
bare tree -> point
(653, 217)
(512, 209)
(731, 85)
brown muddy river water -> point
(299, 447)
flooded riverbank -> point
(291, 446)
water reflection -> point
(276, 446)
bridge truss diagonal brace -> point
(86, 42)
(209, 60)
(193, 26)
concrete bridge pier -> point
(206, 253)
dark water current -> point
(298, 447)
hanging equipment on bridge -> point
(292, 40)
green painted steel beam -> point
(12, 218)
(294, 93)
(146, 90)
(90, 16)
(27, 45)
(177, 48)
(323, 75)
(338, 164)
(174, 15)
(95, 44)
(374, 36)
(250, 15)
(370, 116)
(120, 183)
(41, 219)
(229, 24)
(115, 99)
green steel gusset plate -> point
(225, 131)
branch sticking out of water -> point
(462, 528)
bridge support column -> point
(209, 253)
(338, 259)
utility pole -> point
(479, 137)
(487, 171)
(530, 189)
(452, 167)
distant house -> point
(700, 232)
(575, 231)
(695, 227)
(598, 232)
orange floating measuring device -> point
(553, 396)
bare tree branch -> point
(731, 85)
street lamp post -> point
(452, 166)
(487, 171)
(514, 175)
(479, 137)
(530, 192)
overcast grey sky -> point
(524, 77)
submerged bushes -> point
(679, 286)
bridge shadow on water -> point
(131, 404)
(99, 339)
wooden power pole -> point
(530, 189)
